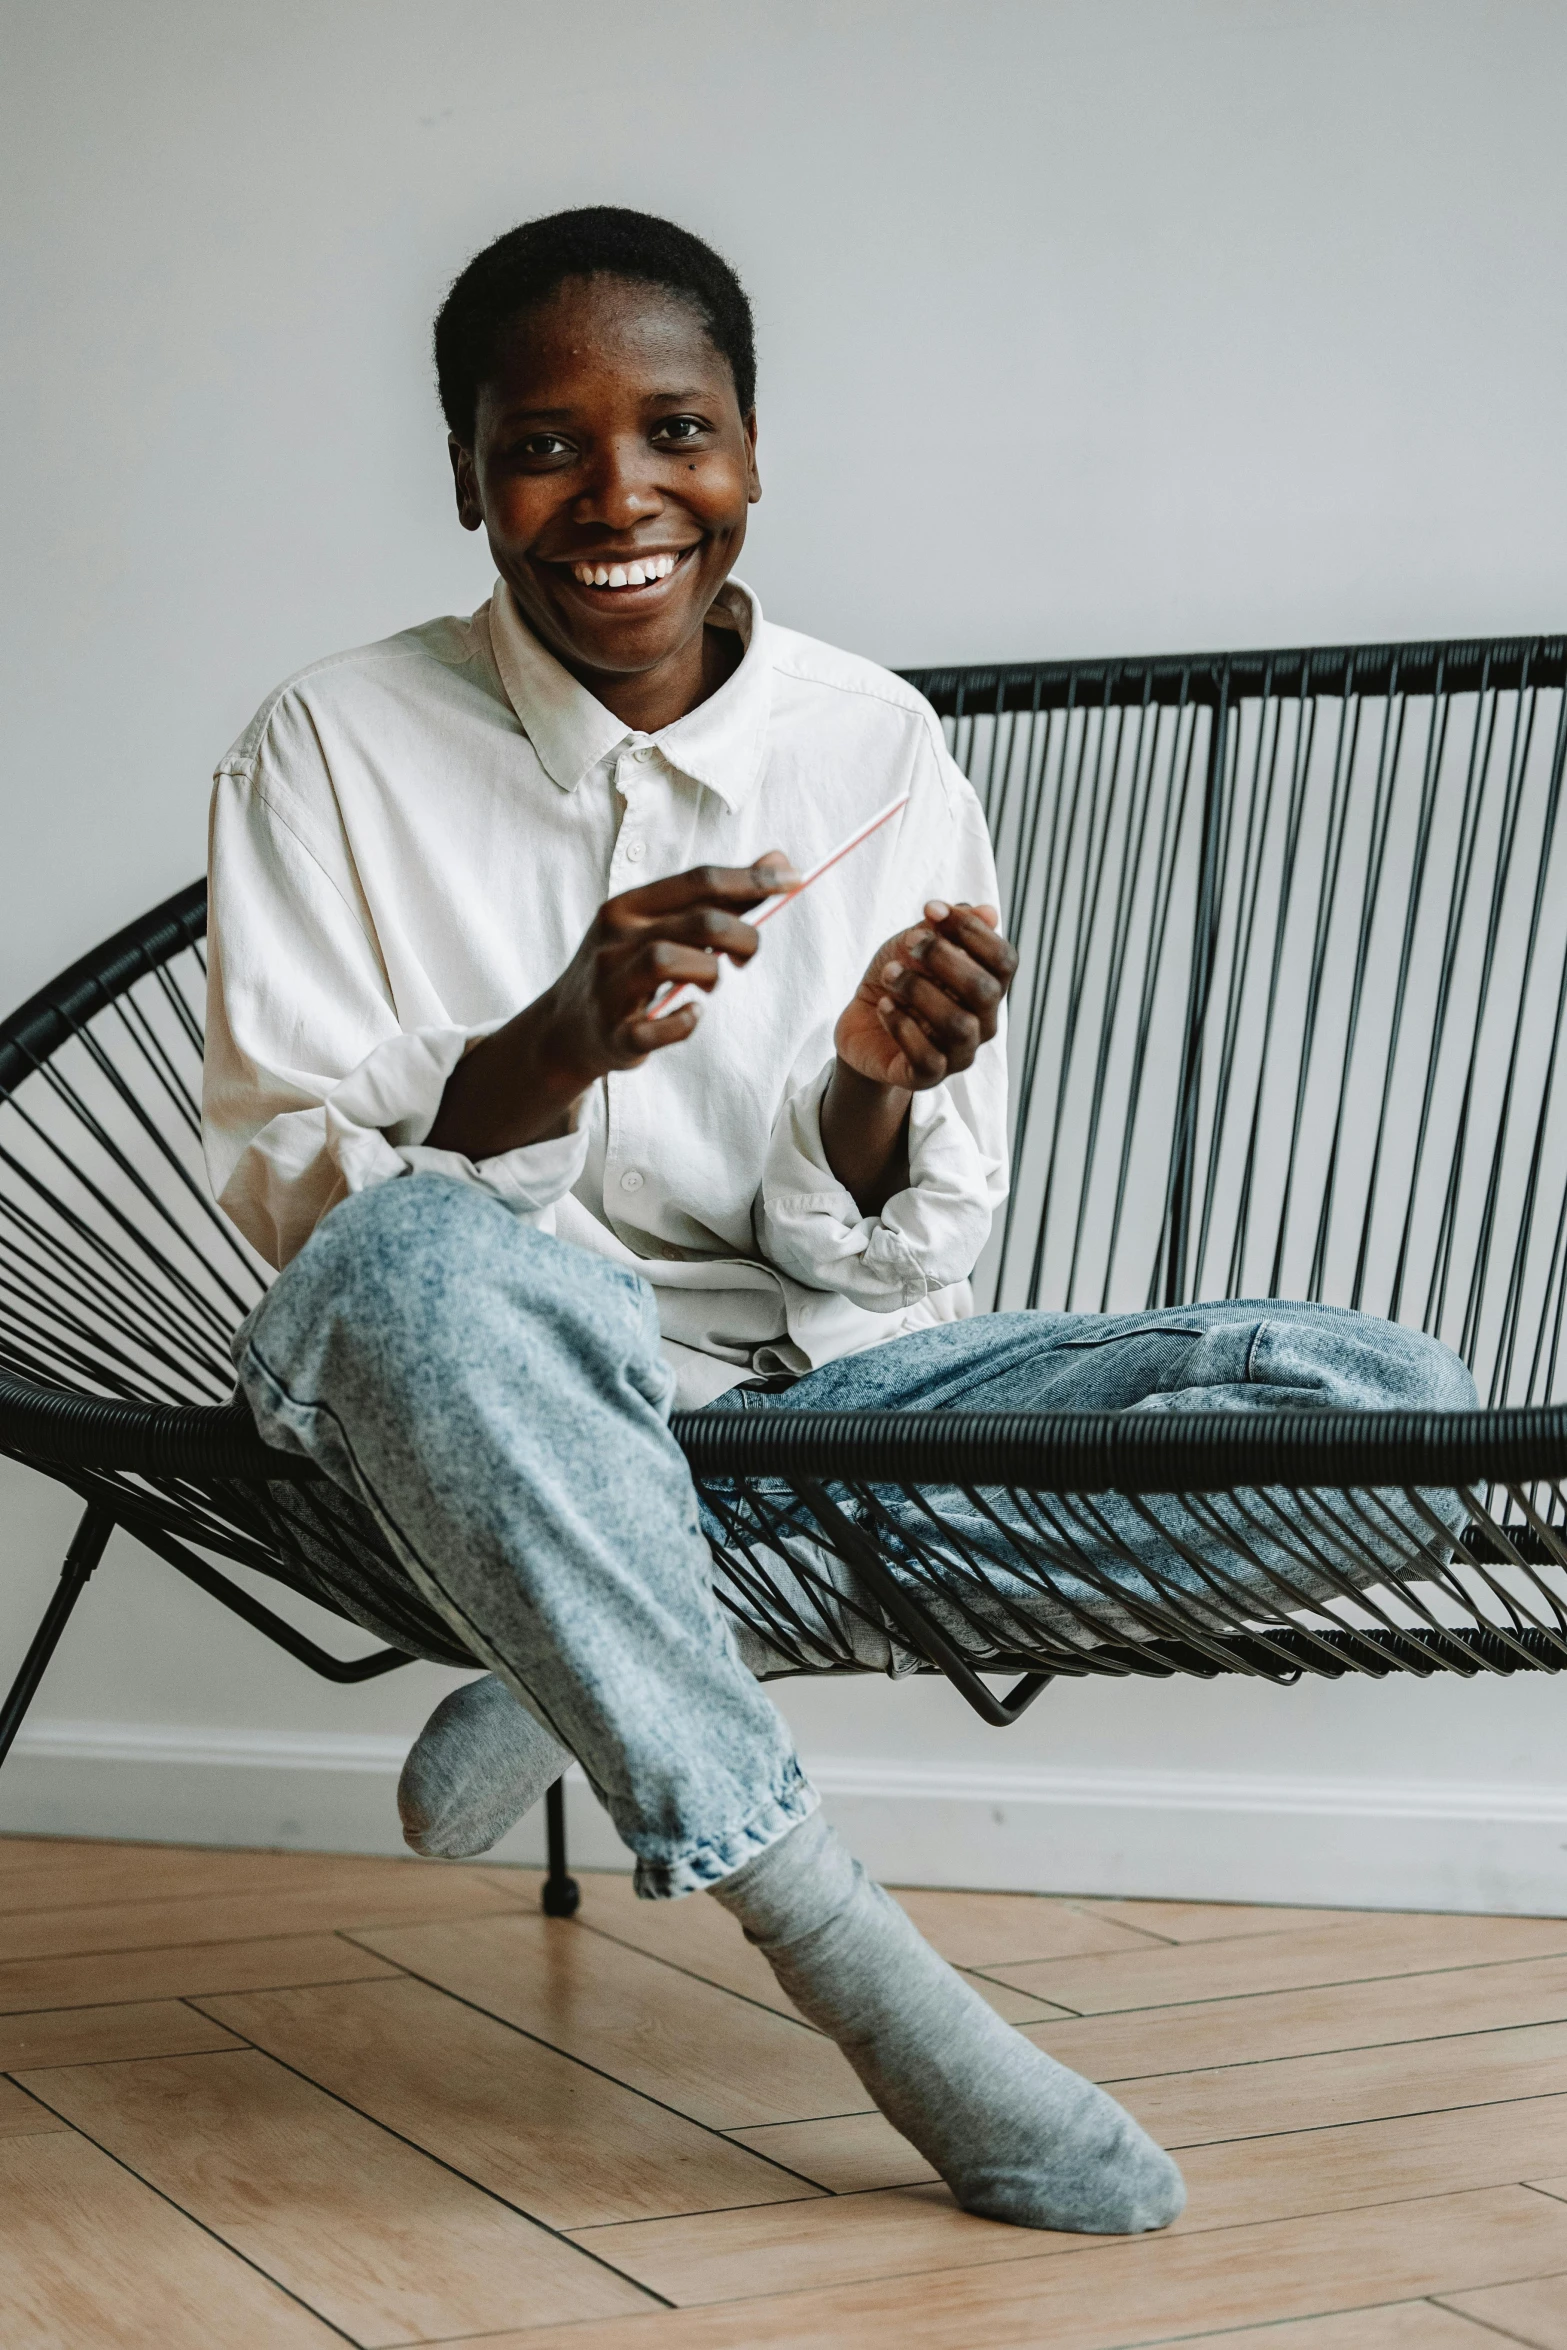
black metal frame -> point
(1200, 858)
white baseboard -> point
(1216, 1836)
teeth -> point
(620, 575)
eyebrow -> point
(564, 415)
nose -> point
(622, 488)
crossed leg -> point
(494, 1402)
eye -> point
(543, 448)
(680, 431)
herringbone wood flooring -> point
(276, 2099)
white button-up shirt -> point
(407, 846)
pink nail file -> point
(671, 995)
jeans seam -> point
(372, 1502)
(1257, 1337)
(667, 1865)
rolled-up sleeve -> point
(928, 1237)
(313, 1088)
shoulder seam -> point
(282, 816)
(390, 648)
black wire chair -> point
(1287, 1022)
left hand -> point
(929, 999)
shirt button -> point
(643, 751)
(636, 850)
(631, 1180)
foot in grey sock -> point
(478, 1764)
(1014, 2134)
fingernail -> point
(890, 972)
(886, 1004)
(938, 910)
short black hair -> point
(524, 267)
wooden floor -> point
(280, 2099)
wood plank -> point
(94, 2260)
(694, 1934)
(244, 1916)
(1014, 2007)
(1005, 1929)
(377, 2238)
(848, 2154)
(18, 1854)
(532, 2126)
(1306, 2023)
(850, 2238)
(21, 2116)
(93, 1873)
(108, 2035)
(1249, 1964)
(1109, 2296)
(274, 1962)
(703, 1939)
(1362, 2084)
(711, 2056)
(1222, 1921)
(1535, 2313)
(1311, 2166)
(1400, 2325)
(1364, 2163)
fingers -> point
(956, 1032)
(969, 984)
(731, 888)
(976, 930)
(927, 1063)
(663, 962)
(710, 928)
(635, 1038)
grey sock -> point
(478, 1764)
(1014, 2134)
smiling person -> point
(518, 1215)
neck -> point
(655, 698)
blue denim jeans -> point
(493, 1402)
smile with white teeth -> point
(624, 575)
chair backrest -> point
(1294, 936)
(1290, 1013)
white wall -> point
(1087, 325)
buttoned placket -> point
(634, 769)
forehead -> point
(597, 336)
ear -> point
(753, 480)
(465, 480)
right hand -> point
(523, 1083)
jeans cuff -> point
(702, 1865)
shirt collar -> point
(720, 744)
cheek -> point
(516, 509)
(716, 490)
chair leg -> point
(87, 1548)
(561, 1893)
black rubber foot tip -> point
(561, 1897)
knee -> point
(416, 1271)
(1363, 1363)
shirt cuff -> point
(378, 1115)
(926, 1238)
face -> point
(609, 437)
